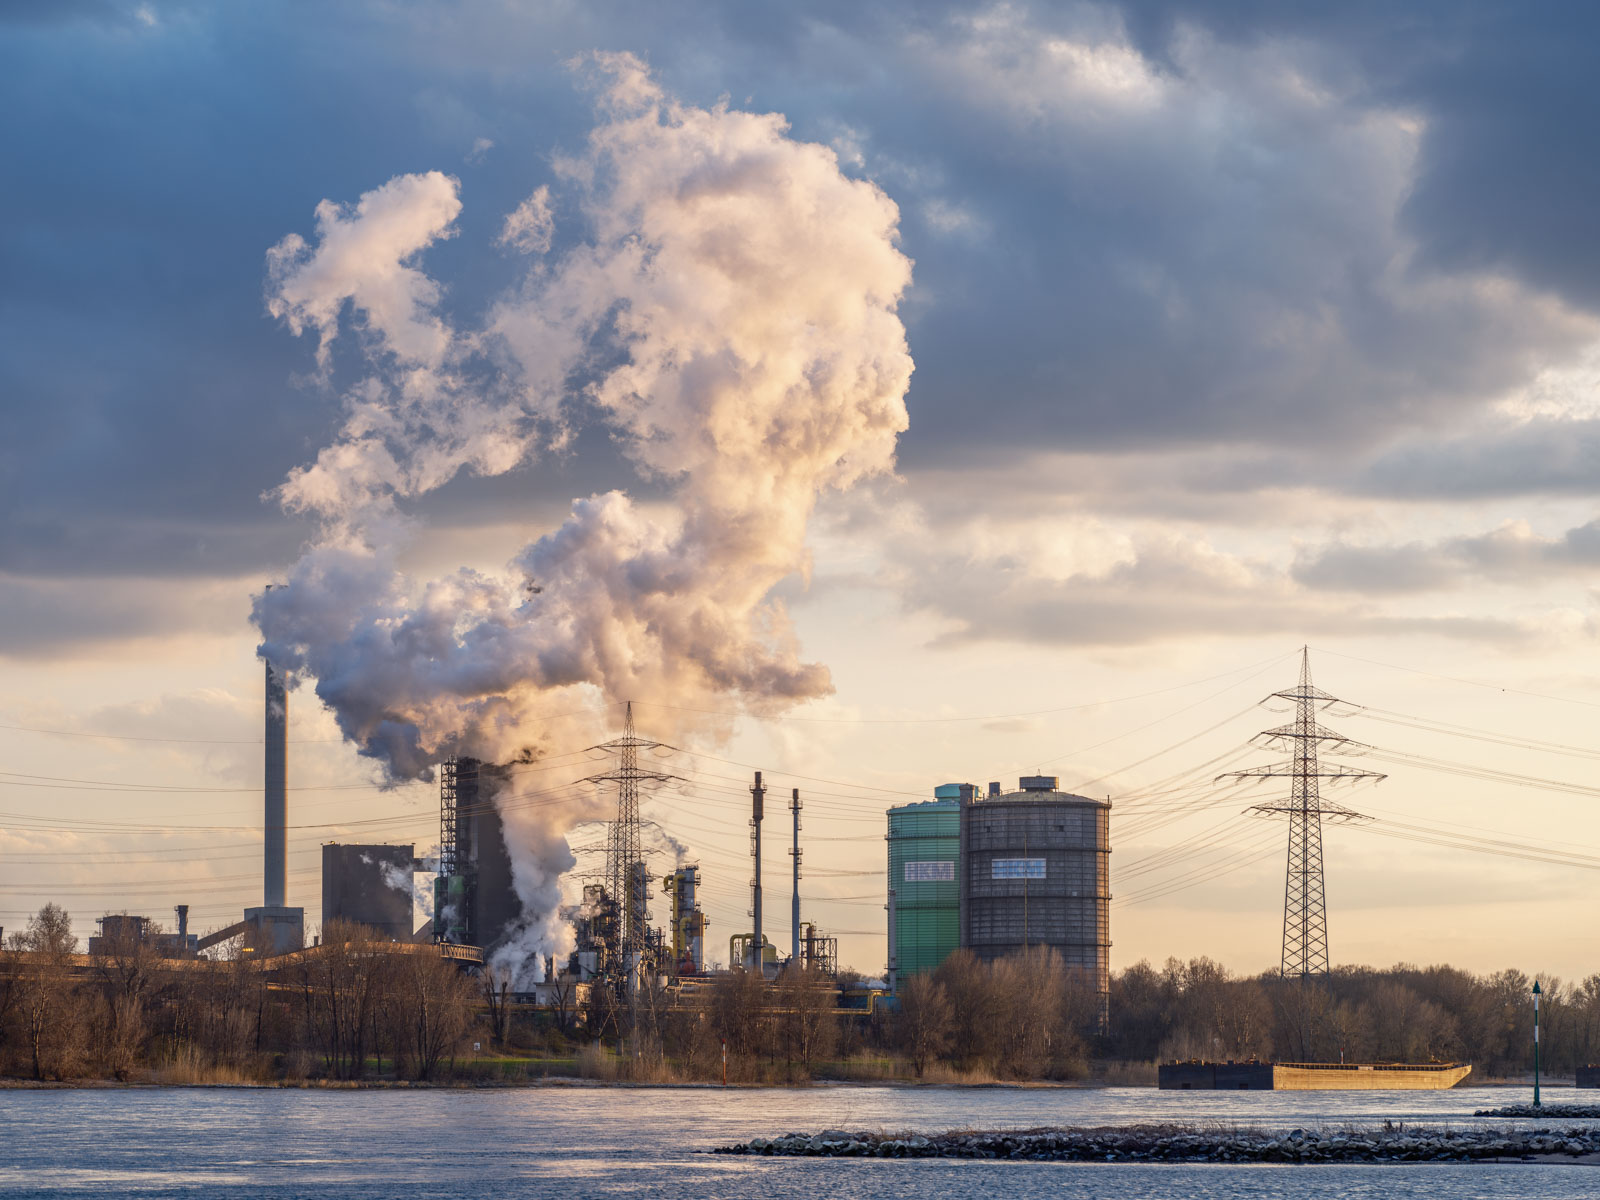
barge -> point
(1310, 1077)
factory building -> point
(121, 933)
(370, 886)
(924, 892)
(688, 922)
(475, 901)
(1035, 870)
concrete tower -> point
(274, 892)
(277, 928)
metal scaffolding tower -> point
(1305, 909)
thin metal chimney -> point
(758, 795)
(274, 894)
(794, 953)
(183, 925)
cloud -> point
(51, 617)
(1205, 245)
(1543, 455)
(1148, 585)
(733, 314)
(361, 257)
(1511, 554)
(531, 225)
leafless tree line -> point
(784, 1031)
(342, 1013)
(355, 1009)
(1197, 1009)
(1029, 1016)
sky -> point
(878, 396)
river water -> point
(574, 1141)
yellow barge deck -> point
(1311, 1077)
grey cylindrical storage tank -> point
(1036, 871)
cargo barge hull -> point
(1310, 1077)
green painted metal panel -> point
(924, 844)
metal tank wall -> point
(358, 884)
(924, 892)
(1036, 871)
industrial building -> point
(120, 933)
(370, 886)
(688, 922)
(924, 894)
(475, 900)
(1000, 873)
(1035, 870)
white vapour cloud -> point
(362, 258)
(733, 310)
(530, 226)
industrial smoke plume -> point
(730, 311)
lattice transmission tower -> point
(1305, 906)
(625, 878)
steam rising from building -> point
(729, 297)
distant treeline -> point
(358, 1009)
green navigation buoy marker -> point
(1536, 1043)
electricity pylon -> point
(624, 875)
(1305, 907)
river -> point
(574, 1141)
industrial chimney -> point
(278, 928)
(277, 755)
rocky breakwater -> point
(1153, 1143)
(1545, 1112)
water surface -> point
(651, 1142)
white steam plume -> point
(731, 302)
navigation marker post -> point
(1536, 1043)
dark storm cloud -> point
(1240, 250)
(1507, 179)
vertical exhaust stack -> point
(794, 950)
(757, 960)
(274, 892)
(278, 928)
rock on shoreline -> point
(1557, 1112)
(1157, 1143)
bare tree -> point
(436, 1010)
(925, 1021)
(49, 1011)
(975, 1014)
(494, 983)
(808, 1024)
(339, 984)
(126, 968)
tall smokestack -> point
(758, 795)
(277, 763)
(794, 951)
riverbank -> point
(1188, 1144)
